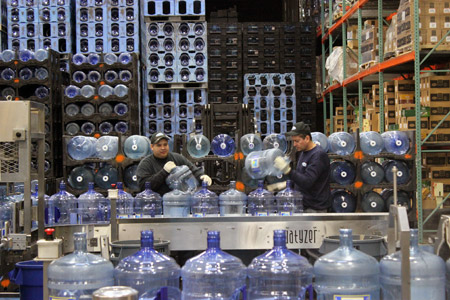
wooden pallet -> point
(368, 64)
(389, 55)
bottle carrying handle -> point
(162, 294)
(237, 293)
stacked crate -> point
(225, 62)
(46, 91)
(273, 100)
(44, 24)
(107, 26)
(4, 23)
(175, 60)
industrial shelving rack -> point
(407, 62)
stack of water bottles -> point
(362, 175)
(102, 95)
(25, 75)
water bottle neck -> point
(79, 242)
(213, 240)
(147, 241)
(346, 238)
(414, 240)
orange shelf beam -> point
(396, 61)
(344, 18)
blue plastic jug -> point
(343, 201)
(232, 202)
(93, 207)
(396, 142)
(250, 142)
(372, 202)
(342, 172)
(372, 173)
(106, 177)
(66, 204)
(176, 203)
(137, 146)
(204, 202)
(107, 147)
(321, 140)
(223, 145)
(82, 147)
(371, 142)
(130, 177)
(261, 202)
(403, 198)
(260, 164)
(80, 177)
(148, 203)
(403, 172)
(275, 141)
(124, 203)
(289, 201)
(198, 146)
(341, 143)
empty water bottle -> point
(72, 91)
(87, 109)
(121, 127)
(427, 273)
(250, 142)
(372, 173)
(148, 203)
(342, 172)
(8, 74)
(88, 128)
(110, 58)
(121, 109)
(147, 270)
(87, 91)
(125, 75)
(261, 202)
(107, 147)
(204, 275)
(279, 273)
(94, 76)
(106, 177)
(347, 273)
(184, 177)
(176, 203)
(93, 58)
(24, 74)
(372, 202)
(80, 177)
(41, 92)
(111, 76)
(72, 110)
(93, 207)
(78, 275)
(81, 147)
(79, 59)
(232, 202)
(41, 73)
(79, 76)
(8, 92)
(120, 90)
(276, 141)
(125, 58)
(396, 142)
(289, 201)
(125, 202)
(105, 91)
(34, 203)
(105, 127)
(72, 128)
(341, 143)
(403, 173)
(66, 203)
(8, 55)
(223, 145)
(136, 146)
(403, 198)
(260, 164)
(371, 142)
(25, 55)
(343, 201)
(105, 109)
(205, 203)
(320, 139)
(198, 146)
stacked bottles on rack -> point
(272, 99)
(107, 26)
(104, 161)
(225, 62)
(181, 8)
(175, 52)
(36, 24)
(357, 169)
(102, 95)
(173, 111)
(35, 76)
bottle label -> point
(285, 213)
(261, 214)
(255, 165)
(198, 215)
(62, 298)
(351, 297)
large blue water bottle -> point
(343, 201)
(198, 146)
(78, 275)
(321, 140)
(403, 198)
(247, 180)
(275, 141)
(232, 202)
(403, 172)
(204, 203)
(223, 145)
(147, 269)
(427, 273)
(289, 201)
(106, 176)
(260, 164)
(372, 202)
(81, 147)
(93, 207)
(372, 173)
(124, 203)
(130, 177)
(183, 176)
(34, 201)
(107, 147)
(261, 202)
(396, 142)
(371, 142)
(347, 273)
(342, 172)
(213, 274)
(80, 177)
(66, 204)
(250, 142)
(279, 273)
(148, 203)
(341, 143)
(137, 146)
(176, 203)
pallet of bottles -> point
(174, 10)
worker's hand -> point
(274, 187)
(207, 179)
(281, 164)
(169, 166)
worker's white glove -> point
(207, 179)
(169, 166)
(278, 186)
(281, 164)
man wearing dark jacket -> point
(156, 167)
(312, 174)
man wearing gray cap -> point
(156, 167)
(312, 173)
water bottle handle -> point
(162, 294)
(302, 293)
(242, 290)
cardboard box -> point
(428, 8)
(429, 22)
(442, 173)
(389, 87)
(352, 36)
(434, 159)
